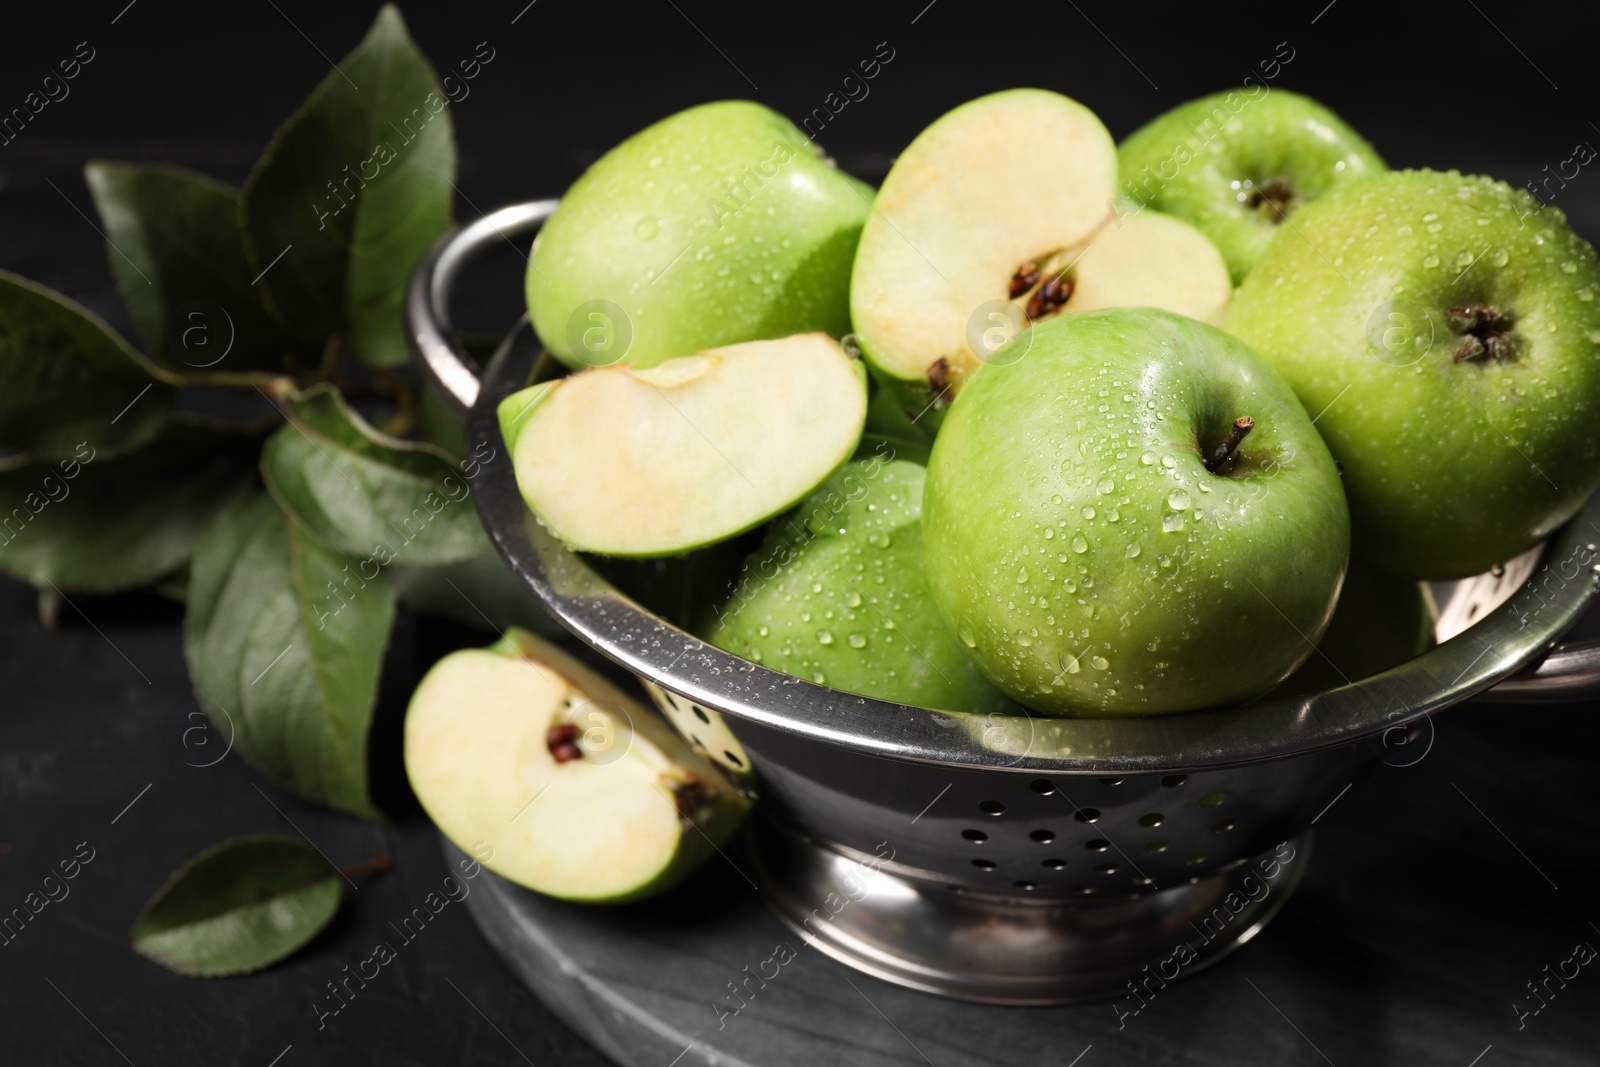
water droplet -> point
(764, 630)
(1430, 216)
(1168, 462)
(1430, 261)
(966, 637)
(816, 587)
(1148, 458)
(819, 678)
(1079, 545)
(1048, 533)
(646, 229)
(1099, 663)
(755, 655)
(1569, 267)
(1178, 500)
(1501, 257)
(1024, 639)
(1435, 227)
(1133, 552)
(1106, 485)
(1069, 664)
(1586, 295)
(1088, 511)
(1172, 523)
(852, 599)
(824, 637)
(857, 640)
(1022, 575)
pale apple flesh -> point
(1006, 179)
(1152, 260)
(655, 462)
(556, 780)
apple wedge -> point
(654, 462)
(1000, 183)
(554, 779)
(1151, 260)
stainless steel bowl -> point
(1014, 859)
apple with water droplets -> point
(1446, 329)
(1135, 516)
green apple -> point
(522, 754)
(720, 224)
(1446, 330)
(838, 595)
(1238, 163)
(1002, 182)
(1136, 517)
(629, 461)
(1380, 622)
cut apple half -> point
(1150, 260)
(554, 779)
(1014, 179)
(656, 462)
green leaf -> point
(67, 380)
(176, 251)
(105, 525)
(363, 492)
(237, 907)
(480, 592)
(351, 191)
(285, 639)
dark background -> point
(1420, 921)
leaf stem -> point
(376, 865)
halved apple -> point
(659, 461)
(1000, 183)
(1151, 260)
(554, 779)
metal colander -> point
(1014, 859)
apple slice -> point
(1152, 260)
(1009, 179)
(659, 461)
(554, 779)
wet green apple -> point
(1133, 516)
(1237, 164)
(1447, 331)
(717, 225)
(522, 754)
(1380, 622)
(838, 595)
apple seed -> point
(561, 739)
(1025, 278)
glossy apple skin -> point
(717, 225)
(1187, 163)
(1085, 556)
(1451, 467)
(1381, 621)
(837, 595)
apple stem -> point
(1221, 460)
(376, 865)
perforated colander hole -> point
(1054, 865)
(1173, 781)
(1099, 844)
(1152, 820)
(1044, 837)
(1143, 882)
(1026, 885)
(1111, 781)
(1083, 890)
(1194, 859)
(1159, 845)
(1087, 814)
(984, 865)
(991, 807)
(974, 835)
(1224, 826)
(1211, 800)
(735, 760)
(1106, 868)
(1042, 786)
(700, 713)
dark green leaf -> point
(178, 257)
(237, 907)
(439, 425)
(104, 525)
(287, 638)
(365, 493)
(352, 190)
(480, 592)
(67, 380)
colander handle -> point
(427, 310)
(1569, 671)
